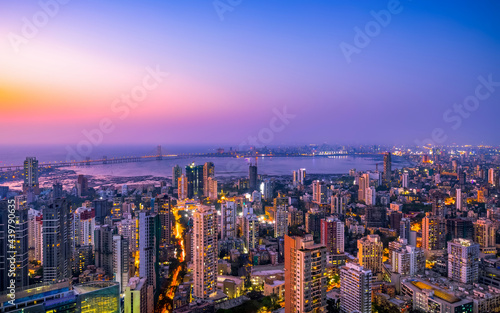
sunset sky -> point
(226, 76)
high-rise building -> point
(387, 168)
(433, 232)
(395, 219)
(251, 230)
(371, 196)
(176, 174)
(295, 217)
(212, 188)
(313, 223)
(205, 252)
(485, 232)
(194, 174)
(103, 248)
(57, 190)
(407, 260)
(128, 229)
(266, 189)
(463, 260)
(35, 242)
(458, 199)
(376, 216)
(405, 228)
(182, 187)
(355, 289)
(338, 203)
(280, 221)
(302, 176)
(148, 250)
(163, 202)
(462, 178)
(57, 232)
(31, 176)
(19, 213)
(332, 236)
(492, 177)
(228, 220)
(252, 177)
(82, 185)
(305, 275)
(319, 192)
(83, 227)
(102, 209)
(136, 295)
(459, 228)
(363, 184)
(404, 179)
(370, 252)
(121, 261)
(208, 171)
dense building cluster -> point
(423, 237)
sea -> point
(224, 166)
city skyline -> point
(231, 68)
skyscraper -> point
(83, 227)
(370, 252)
(164, 204)
(102, 209)
(458, 199)
(252, 177)
(407, 260)
(251, 230)
(485, 233)
(31, 175)
(103, 248)
(176, 173)
(305, 275)
(338, 203)
(194, 174)
(302, 176)
(355, 289)
(319, 192)
(205, 252)
(332, 236)
(463, 260)
(208, 171)
(387, 168)
(228, 220)
(404, 179)
(56, 232)
(280, 221)
(371, 196)
(22, 244)
(182, 187)
(405, 228)
(212, 188)
(433, 232)
(363, 184)
(120, 261)
(82, 185)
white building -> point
(228, 220)
(463, 260)
(205, 254)
(355, 289)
